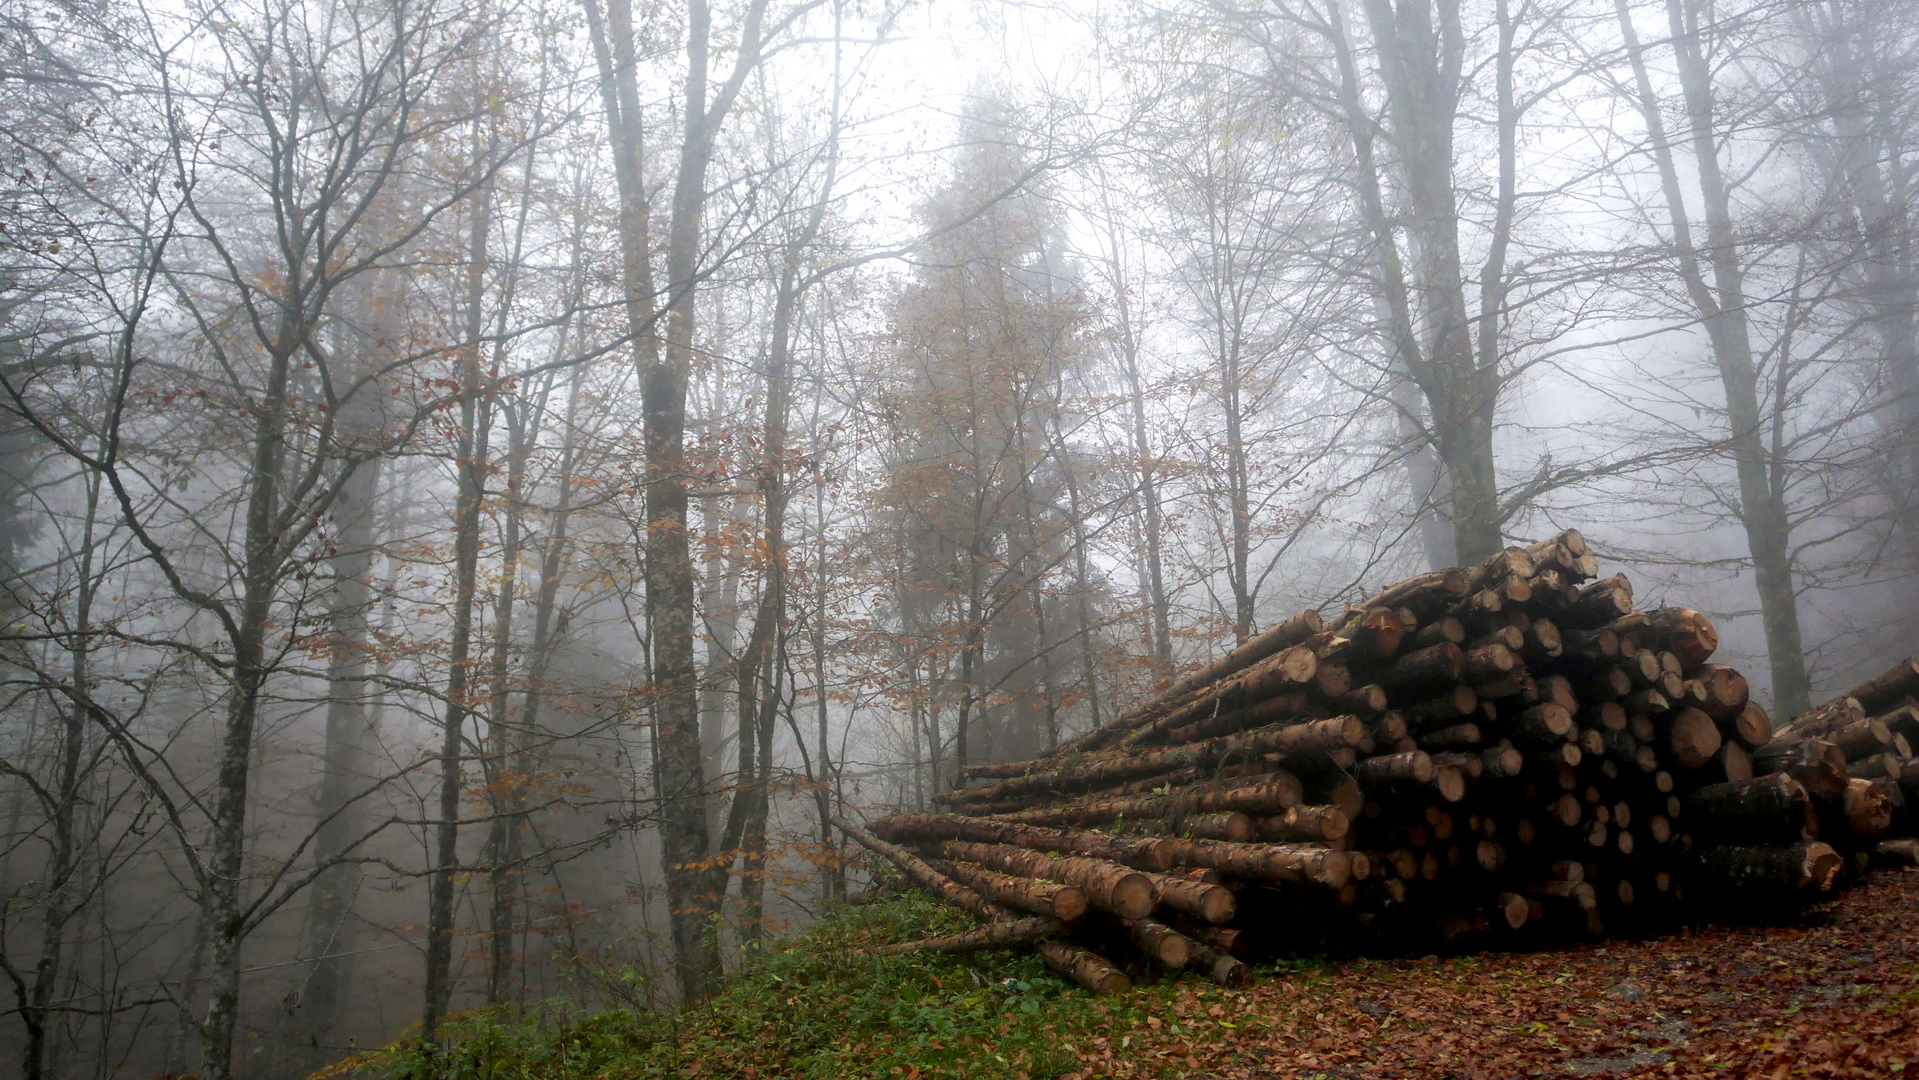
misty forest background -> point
(482, 481)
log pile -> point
(1508, 752)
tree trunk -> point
(1722, 311)
(344, 763)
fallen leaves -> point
(1835, 997)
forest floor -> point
(1834, 994)
(1837, 996)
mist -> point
(484, 484)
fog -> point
(484, 482)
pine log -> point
(1207, 901)
(1291, 706)
(1869, 766)
(1542, 643)
(1806, 868)
(1231, 826)
(1221, 939)
(1503, 761)
(1274, 793)
(998, 935)
(1545, 724)
(1159, 941)
(1277, 741)
(1486, 663)
(1429, 668)
(1595, 647)
(1141, 854)
(1440, 631)
(1869, 736)
(1221, 967)
(1368, 700)
(1726, 690)
(1733, 763)
(1415, 767)
(1442, 710)
(1865, 808)
(1062, 902)
(1457, 737)
(1607, 685)
(1089, 969)
(1817, 764)
(1889, 688)
(1834, 714)
(1370, 635)
(1897, 853)
(1307, 824)
(1296, 667)
(1694, 738)
(1507, 635)
(1752, 727)
(1389, 726)
(1270, 862)
(1768, 809)
(1600, 602)
(1257, 648)
(1643, 669)
(924, 875)
(1426, 595)
(1687, 633)
(1108, 886)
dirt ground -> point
(1834, 996)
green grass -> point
(809, 1008)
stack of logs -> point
(1507, 751)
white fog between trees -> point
(483, 481)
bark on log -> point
(1062, 902)
(1688, 634)
(924, 875)
(1429, 668)
(1161, 942)
(1442, 710)
(1279, 791)
(1457, 737)
(1807, 868)
(1232, 826)
(1869, 736)
(1440, 631)
(1896, 853)
(1089, 969)
(1270, 862)
(1889, 688)
(1426, 595)
(1415, 767)
(1275, 741)
(1304, 824)
(1141, 854)
(1223, 968)
(1108, 886)
(1207, 901)
(1368, 700)
(1256, 648)
(1486, 663)
(1766, 810)
(1600, 603)
(1545, 724)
